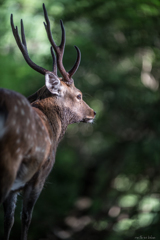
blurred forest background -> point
(105, 184)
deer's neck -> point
(58, 117)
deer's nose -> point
(94, 113)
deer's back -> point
(24, 139)
(16, 120)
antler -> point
(23, 47)
(59, 50)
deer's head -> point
(62, 91)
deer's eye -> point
(79, 96)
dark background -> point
(105, 184)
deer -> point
(31, 129)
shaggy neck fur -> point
(59, 117)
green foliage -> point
(115, 162)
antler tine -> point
(23, 47)
(54, 62)
(63, 39)
(23, 35)
(76, 65)
(47, 27)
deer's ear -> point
(52, 83)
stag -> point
(31, 129)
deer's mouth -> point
(88, 120)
